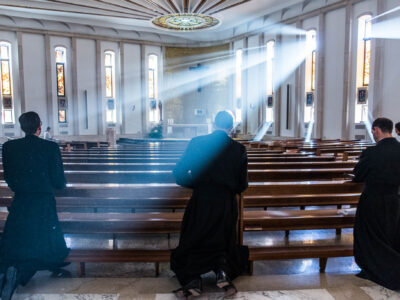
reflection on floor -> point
(280, 279)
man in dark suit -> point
(377, 225)
(215, 167)
(32, 238)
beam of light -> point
(386, 13)
(262, 131)
(310, 129)
(386, 29)
(183, 82)
(368, 126)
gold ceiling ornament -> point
(185, 22)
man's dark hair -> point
(29, 122)
(397, 126)
(48, 128)
(384, 124)
(224, 119)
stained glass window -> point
(363, 65)
(109, 68)
(62, 116)
(367, 51)
(6, 83)
(154, 112)
(310, 81)
(313, 56)
(60, 79)
(5, 77)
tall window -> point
(311, 48)
(61, 59)
(109, 66)
(154, 112)
(270, 81)
(6, 83)
(363, 67)
(238, 90)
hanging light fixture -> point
(185, 21)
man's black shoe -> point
(194, 287)
(222, 279)
(10, 283)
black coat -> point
(215, 167)
(32, 235)
(377, 225)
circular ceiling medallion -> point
(185, 22)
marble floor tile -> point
(315, 294)
(380, 293)
(65, 297)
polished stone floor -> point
(280, 279)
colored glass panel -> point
(5, 78)
(62, 116)
(367, 62)
(313, 57)
(151, 84)
(60, 79)
(109, 82)
(60, 56)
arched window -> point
(6, 83)
(109, 68)
(363, 67)
(238, 91)
(270, 81)
(61, 59)
(311, 48)
(154, 112)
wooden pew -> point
(166, 176)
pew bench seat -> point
(322, 252)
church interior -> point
(123, 85)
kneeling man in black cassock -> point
(377, 225)
(215, 167)
(32, 238)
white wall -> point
(86, 81)
(286, 68)
(132, 106)
(334, 70)
(254, 65)
(390, 101)
(35, 74)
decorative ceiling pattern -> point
(132, 9)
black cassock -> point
(32, 238)
(377, 225)
(215, 167)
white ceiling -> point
(123, 16)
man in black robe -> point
(32, 238)
(377, 225)
(215, 167)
